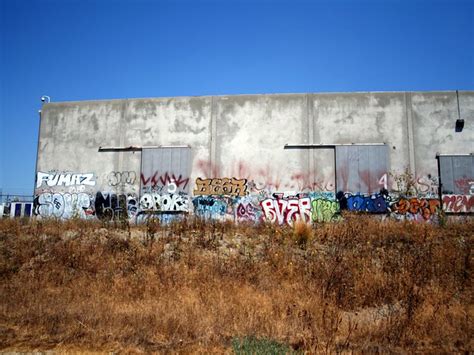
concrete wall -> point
(243, 137)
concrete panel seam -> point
(213, 134)
(123, 117)
(309, 116)
(410, 137)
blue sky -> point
(80, 50)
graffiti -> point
(207, 168)
(307, 182)
(66, 179)
(162, 218)
(384, 181)
(458, 203)
(116, 178)
(261, 194)
(287, 210)
(427, 186)
(465, 186)
(266, 178)
(110, 206)
(62, 205)
(161, 180)
(322, 195)
(219, 208)
(247, 211)
(166, 202)
(169, 188)
(325, 210)
(224, 186)
(369, 180)
(426, 208)
(374, 203)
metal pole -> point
(37, 152)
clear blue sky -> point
(80, 50)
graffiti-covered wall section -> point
(457, 182)
(164, 181)
(278, 158)
(72, 133)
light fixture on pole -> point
(459, 122)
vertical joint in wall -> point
(213, 136)
(309, 117)
(410, 138)
(123, 124)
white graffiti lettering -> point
(287, 211)
(116, 178)
(167, 202)
(62, 205)
(66, 179)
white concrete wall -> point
(244, 136)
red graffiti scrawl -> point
(458, 203)
(164, 179)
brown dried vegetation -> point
(357, 285)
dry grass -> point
(357, 285)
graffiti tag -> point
(458, 203)
(116, 178)
(287, 210)
(425, 207)
(325, 210)
(62, 205)
(166, 202)
(224, 186)
(161, 180)
(66, 179)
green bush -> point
(253, 345)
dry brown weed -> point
(357, 285)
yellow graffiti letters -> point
(221, 186)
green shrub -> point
(253, 345)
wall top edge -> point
(348, 93)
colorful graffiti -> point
(213, 208)
(308, 182)
(162, 218)
(287, 210)
(324, 210)
(374, 203)
(266, 178)
(458, 203)
(247, 212)
(223, 186)
(279, 208)
(64, 179)
(465, 186)
(412, 207)
(157, 179)
(258, 195)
